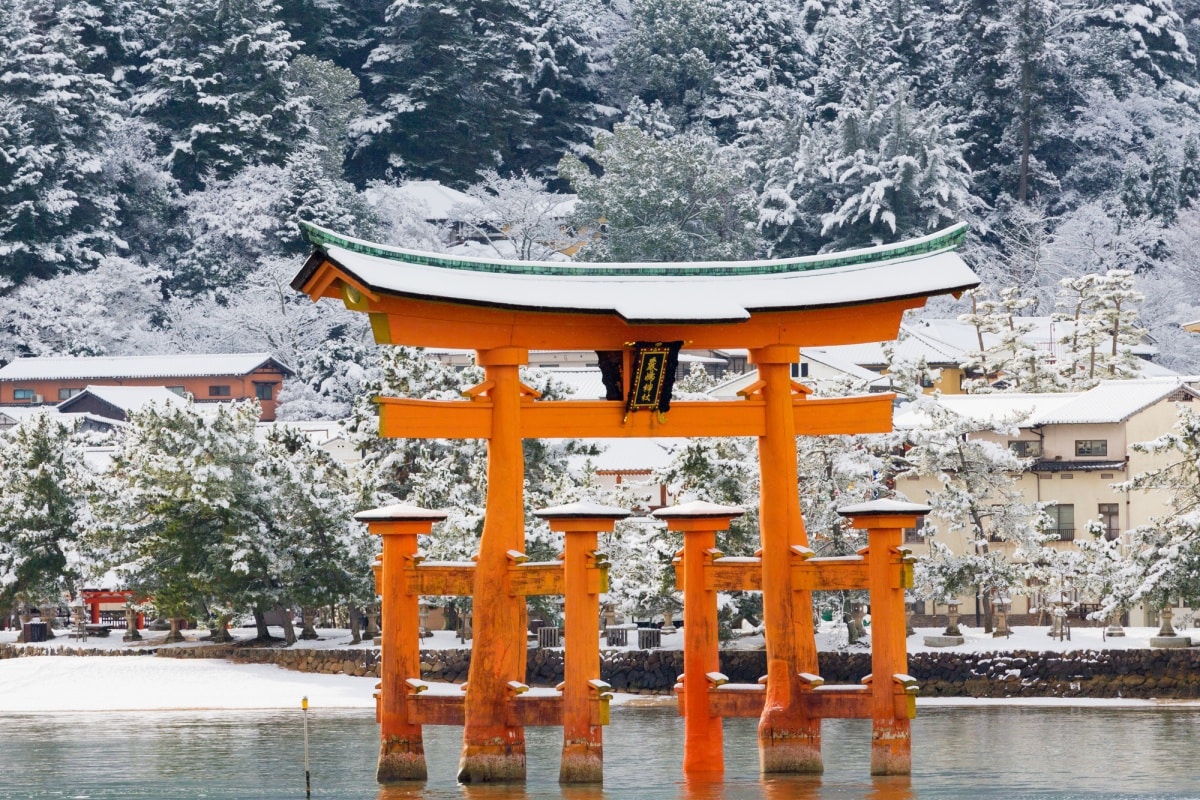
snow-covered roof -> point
(586, 383)
(1113, 401)
(126, 398)
(178, 365)
(435, 198)
(628, 455)
(1002, 406)
(18, 413)
(650, 293)
(318, 431)
(834, 360)
(1108, 402)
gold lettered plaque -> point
(654, 365)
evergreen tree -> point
(663, 198)
(326, 554)
(1161, 563)
(455, 88)
(45, 488)
(219, 89)
(1162, 196)
(1004, 357)
(1189, 174)
(56, 211)
(187, 513)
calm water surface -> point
(992, 752)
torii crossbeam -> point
(504, 309)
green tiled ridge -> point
(944, 240)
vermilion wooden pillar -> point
(401, 751)
(703, 743)
(493, 749)
(789, 740)
(892, 691)
(583, 742)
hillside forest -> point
(156, 156)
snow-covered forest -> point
(156, 155)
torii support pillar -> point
(401, 749)
(703, 734)
(493, 747)
(583, 742)
(893, 700)
(789, 739)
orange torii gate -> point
(503, 310)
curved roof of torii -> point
(654, 292)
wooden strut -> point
(890, 703)
(403, 702)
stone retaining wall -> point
(1089, 673)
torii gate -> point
(504, 309)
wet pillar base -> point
(582, 762)
(401, 760)
(492, 764)
(891, 750)
(797, 752)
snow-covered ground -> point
(72, 683)
(829, 637)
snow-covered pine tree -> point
(1101, 312)
(1004, 358)
(1161, 560)
(186, 514)
(663, 197)
(326, 560)
(57, 213)
(45, 494)
(457, 87)
(218, 88)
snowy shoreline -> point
(71, 684)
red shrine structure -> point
(635, 316)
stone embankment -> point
(1087, 673)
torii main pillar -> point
(494, 749)
(789, 740)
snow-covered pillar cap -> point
(884, 513)
(401, 518)
(582, 516)
(699, 515)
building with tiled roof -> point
(204, 377)
(1079, 446)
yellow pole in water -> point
(307, 782)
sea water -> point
(958, 752)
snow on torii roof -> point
(655, 292)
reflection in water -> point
(891, 787)
(702, 787)
(989, 753)
(791, 787)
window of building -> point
(264, 391)
(179, 390)
(23, 394)
(1063, 521)
(1091, 447)
(917, 534)
(218, 391)
(1110, 520)
(1027, 449)
(800, 370)
(67, 394)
